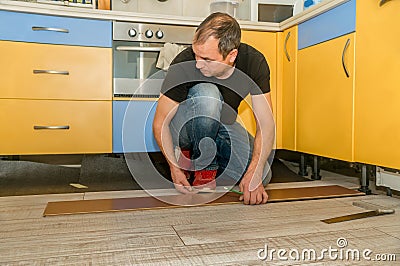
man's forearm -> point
(163, 138)
(263, 143)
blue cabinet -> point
(15, 26)
(334, 23)
(132, 126)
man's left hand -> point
(253, 191)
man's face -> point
(209, 60)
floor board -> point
(206, 235)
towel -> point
(167, 54)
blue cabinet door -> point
(132, 126)
(334, 23)
(15, 26)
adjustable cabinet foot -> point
(303, 165)
(389, 192)
(364, 181)
(316, 169)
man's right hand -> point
(180, 181)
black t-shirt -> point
(251, 75)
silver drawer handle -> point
(343, 62)
(35, 28)
(50, 127)
(138, 49)
(285, 46)
(40, 71)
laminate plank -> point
(37, 199)
(66, 242)
(393, 230)
(240, 252)
(305, 223)
(145, 203)
(180, 216)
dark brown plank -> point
(190, 200)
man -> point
(197, 112)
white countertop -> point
(79, 12)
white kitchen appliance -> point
(274, 10)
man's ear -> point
(232, 55)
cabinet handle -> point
(343, 63)
(39, 71)
(35, 28)
(382, 2)
(50, 127)
(285, 46)
(138, 49)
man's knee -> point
(205, 90)
(206, 100)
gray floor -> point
(97, 172)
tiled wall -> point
(187, 8)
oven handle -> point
(138, 49)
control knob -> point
(148, 33)
(132, 32)
(159, 34)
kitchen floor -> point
(51, 174)
(208, 235)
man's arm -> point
(166, 110)
(251, 184)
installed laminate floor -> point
(207, 235)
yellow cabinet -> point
(287, 97)
(46, 71)
(265, 42)
(55, 127)
(377, 97)
(325, 99)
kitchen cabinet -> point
(78, 72)
(377, 95)
(265, 42)
(287, 97)
(325, 98)
(55, 127)
(127, 136)
(56, 85)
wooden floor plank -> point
(66, 242)
(240, 252)
(185, 200)
(143, 219)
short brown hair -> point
(222, 27)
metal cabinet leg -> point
(315, 174)
(364, 180)
(303, 165)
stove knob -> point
(148, 33)
(159, 34)
(132, 32)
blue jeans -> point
(196, 126)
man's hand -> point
(253, 190)
(180, 181)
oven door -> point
(134, 71)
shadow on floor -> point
(97, 173)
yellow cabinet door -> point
(55, 127)
(325, 99)
(287, 98)
(265, 42)
(46, 71)
(377, 95)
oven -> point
(136, 48)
